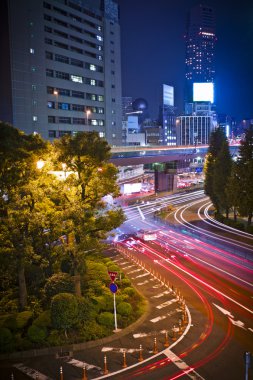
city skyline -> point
(153, 53)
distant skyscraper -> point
(200, 42)
(60, 69)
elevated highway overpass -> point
(136, 155)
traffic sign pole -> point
(115, 311)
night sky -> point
(153, 52)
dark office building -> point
(60, 69)
(200, 40)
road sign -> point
(113, 287)
(112, 275)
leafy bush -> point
(129, 291)
(92, 330)
(6, 340)
(106, 319)
(36, 334)
(9, 321)
(86, 310)
(43, 320)
(55, 338)
(64, 311)
(58, 283)
(125, 282)
(96, 287)
(124, 309)
(23, 319)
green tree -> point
(244, 172)
(217, 155)
(27, 207)
(87, 219)
(64, 311)
(221, 174)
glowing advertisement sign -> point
(203, 92)
(168, 95)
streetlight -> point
(88, 112)
(40, 163)
(56, 94)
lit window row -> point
(74, 78)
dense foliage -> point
(53, 280)
(229, 182)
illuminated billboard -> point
(168, 95)
(203, 92)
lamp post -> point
(56, 94)
(88, 112)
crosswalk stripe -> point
(167, 303)
(161, 317)
(80, 364)
(31, 372)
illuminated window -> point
(35, 118)
(99, 38)
(101, 134)
(93, 82)
(92, 67)
(31, 51)
(76, 78)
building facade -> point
(60, 67)
(193, 130)
(200, 41)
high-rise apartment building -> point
(60, 69)
(200, 42)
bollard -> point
(124, 365)
(166, 343)
(12, 376)
(61, 373)
(174, 333)
(180, 326)
(155, 350)
(140, 354)
(84, 374)
(36, 376)
(105, 366)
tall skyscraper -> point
(60, 68)
(200, 42)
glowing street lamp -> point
(88, 112)
(40, 164)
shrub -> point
(96, 287)
(55, 338)
(36, 334)
(106, 319)
(43, 320)
(124, 309)
(86, 310)
(23, 319)
(58, 283)
(10, 322)
(125, 282)
(6, 340)
(92, 330)
(64, 311)
(129, 291)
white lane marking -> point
(167, 303)
(237, 323)
(142, 335)
(157, 319)
(213, 266)
(224, 311)
(157, 286)
(250, 329)
(206, 284)
(135, 270)
(119, 349)
(143, 283)
(31, 372)
(129, 266)
(190, 372)
(142, 275)
(80, 364)
(141, 213)
(161, 294)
